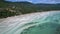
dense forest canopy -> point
(18, 8)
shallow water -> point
(34, 23)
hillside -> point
(17, 8)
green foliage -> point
(5, 13)
(25, 7)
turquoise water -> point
(32, 24)
(50, 25)
(47, 28)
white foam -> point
(13, 25)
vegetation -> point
(16, 8)
(5, 13)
